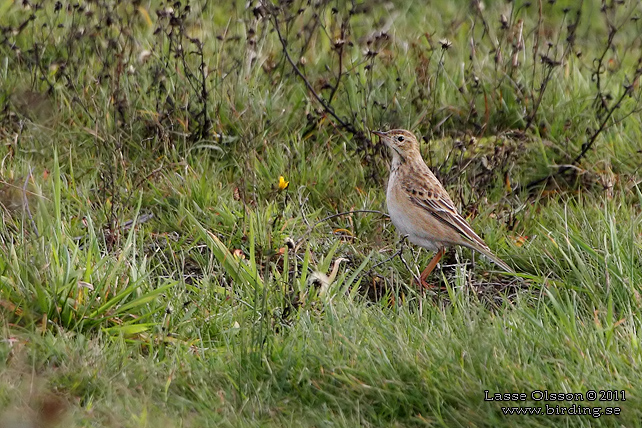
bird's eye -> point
(400, 138)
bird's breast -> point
(408, 219)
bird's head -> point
(402, 143)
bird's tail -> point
(499, 262)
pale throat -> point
(397, 161)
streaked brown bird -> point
(419, 206)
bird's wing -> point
(440, 206)
(426, 192)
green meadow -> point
(194, 230)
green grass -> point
(153, 273)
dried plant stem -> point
(326, 106)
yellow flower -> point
(282, 183)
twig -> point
(587, 146)
(477, 7)
(399, 252)
(537, 41)
(143, 218)
(341, 44)
(143, 180)
(148, 176)
(409, 270)
(330, 217)
(599, 62)
(346, 125)
(596, 76)
(572, 29)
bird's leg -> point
(431, 266)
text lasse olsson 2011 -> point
(545, 395)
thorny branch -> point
(339, 44)
(628, 90)
(600, 99)
(587, 146)
(326, 105)
(551, 64)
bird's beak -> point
(379, 133)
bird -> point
(419, 206)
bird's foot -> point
(423, 285)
